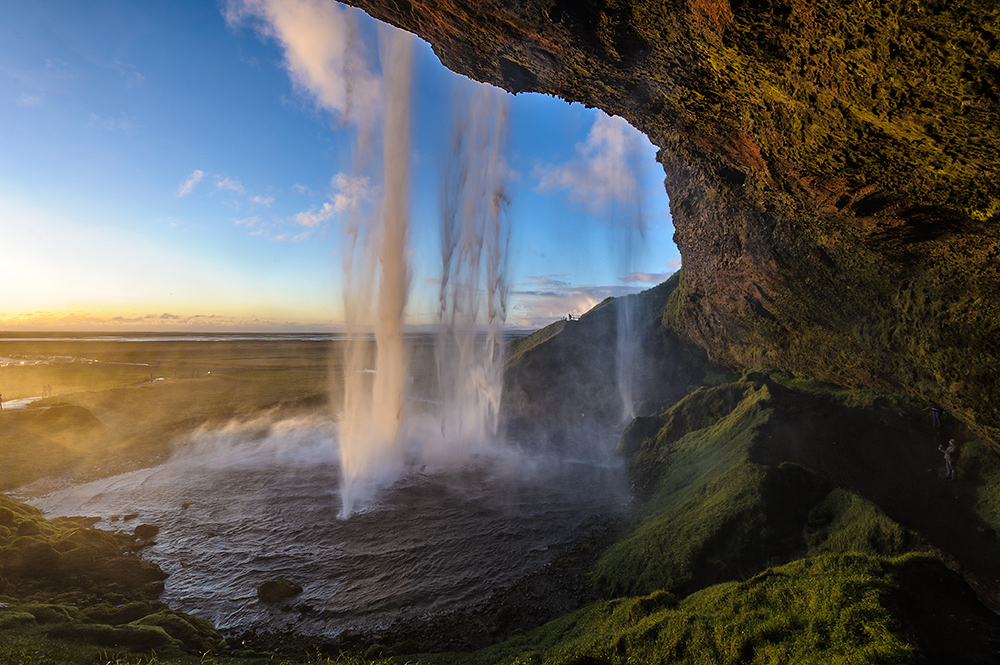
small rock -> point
(275, 591)
(146, 531)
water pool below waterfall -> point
(237, 508)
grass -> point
(977, 454)
(699, 484)
(826, 609)
(845, 522)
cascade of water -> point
(373, 409)
(627, 355)
(628, 229)
(473, 291)
(376, 437)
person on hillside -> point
(949, 462)
(936, 412)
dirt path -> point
(890, 457)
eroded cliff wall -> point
(833, 167)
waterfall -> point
(370, 427)
(473, 287)
(378, 438)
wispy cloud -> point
(542, 299)
(122, 122)
(603, 172)
(28, 100)
(230, 184)
(321, 51)
(351, 192)
(265, 201)
(647, 277)
(312, 218)
(189, 184)
(133, 78)
(84, 321)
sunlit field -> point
(119, 402)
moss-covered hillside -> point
(833, 167)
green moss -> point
(828, 609)
(194, 632)
(975, 454)
(703, 508)
(845, 522)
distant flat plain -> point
(119, 402)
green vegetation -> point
(828, 609)
(704, 494)
(980, 458)
(70, 592)
(844, 522)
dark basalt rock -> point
(275, 591)
(146, 531)
(833, 168)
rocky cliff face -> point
(833, 167)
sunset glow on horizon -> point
(185, 167)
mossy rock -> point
(130, 636)
(15, 619)
(115, 616)
(28, 528)
(46, 613)
(196, 633)
(6, 517)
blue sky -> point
(178, 166)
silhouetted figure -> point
(936, 412)
(949, 462)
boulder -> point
(275, 591)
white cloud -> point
(28, 100)
(133, 78)
(231, 184)
(189, 184)
(121, 123)
(351, 191)
(301, 189)
(604, 171)
(265, 201)
(546, 298)
(312, 218)
(321, 51)
(648, 277)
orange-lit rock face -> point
(834, 170)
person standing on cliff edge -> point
(936, 412)
(949, 463)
